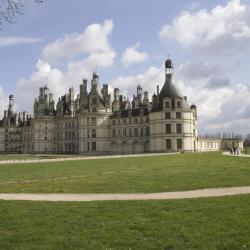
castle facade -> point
(94, 123)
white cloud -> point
(131, 55)
(222, 104)
(13, 40)
(222, 29)
(93, 40)
(148, 80)
(3, 101)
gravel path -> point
(240, 155)
(80, 158)
(211, 192)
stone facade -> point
(93, 123)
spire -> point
(169, 89)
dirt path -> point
(211, 192)
(240, 155)
(80, 158)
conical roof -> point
(169, 89)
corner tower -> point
(172, 120)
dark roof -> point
(169, 89)
(135, 112)
(168, 63)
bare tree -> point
(11, 9)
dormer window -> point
(179, 104)
(167, 106)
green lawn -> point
(135, 174)
(209, 223)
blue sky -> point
(209, 42)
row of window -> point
(135, 120)
(91, 133)
(91, 120)
(169, 145)
(71, 147)
(72, 125)
(131, 132)
(91, 146)
(168, 115)
(169, 128)
(71, 135)
(172, 104)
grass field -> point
(209, 223)
(139, 174)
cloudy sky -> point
(61, 42)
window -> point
(130, 132)
(119, 132)
(168, 115)
(168, 128)
(168, 144)
(130, 120)
(124, 132)
(93, 146)
(136, 120)
(167, 105)
(94, 101)
(147, 119)
(178, 115)
(124, 121)
(173, 104)
(179, 143)
(178, 104)
(93, 133)
(113, 122)
(94, 109)
(136, 131)
(93, 120)
(141, 119)
(88, 146)
(178, 128)
(141, 131)
(114, 132)
(147, 131)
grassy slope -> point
(148, 174)
(210, 223)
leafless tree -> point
(11, 9)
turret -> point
(71, 101)
(139, 93)
(11, 106)
(83, 102)
(95, 82)
(194, 109)
(169, 69)
(145, 98)
(116, 101)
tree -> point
(247, 141)
(11, 9)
